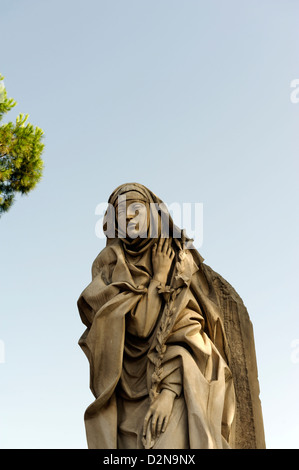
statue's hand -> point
(162, 256)
(157, 417)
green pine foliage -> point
(21, 147)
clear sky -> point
(190, 98)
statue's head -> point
(132, 214)
(138, 217)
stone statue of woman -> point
(158, 326)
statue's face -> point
(133, 218)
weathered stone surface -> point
(248, 423)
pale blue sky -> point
(190, 98)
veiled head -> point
(138, 217)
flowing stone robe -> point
(121, 353)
